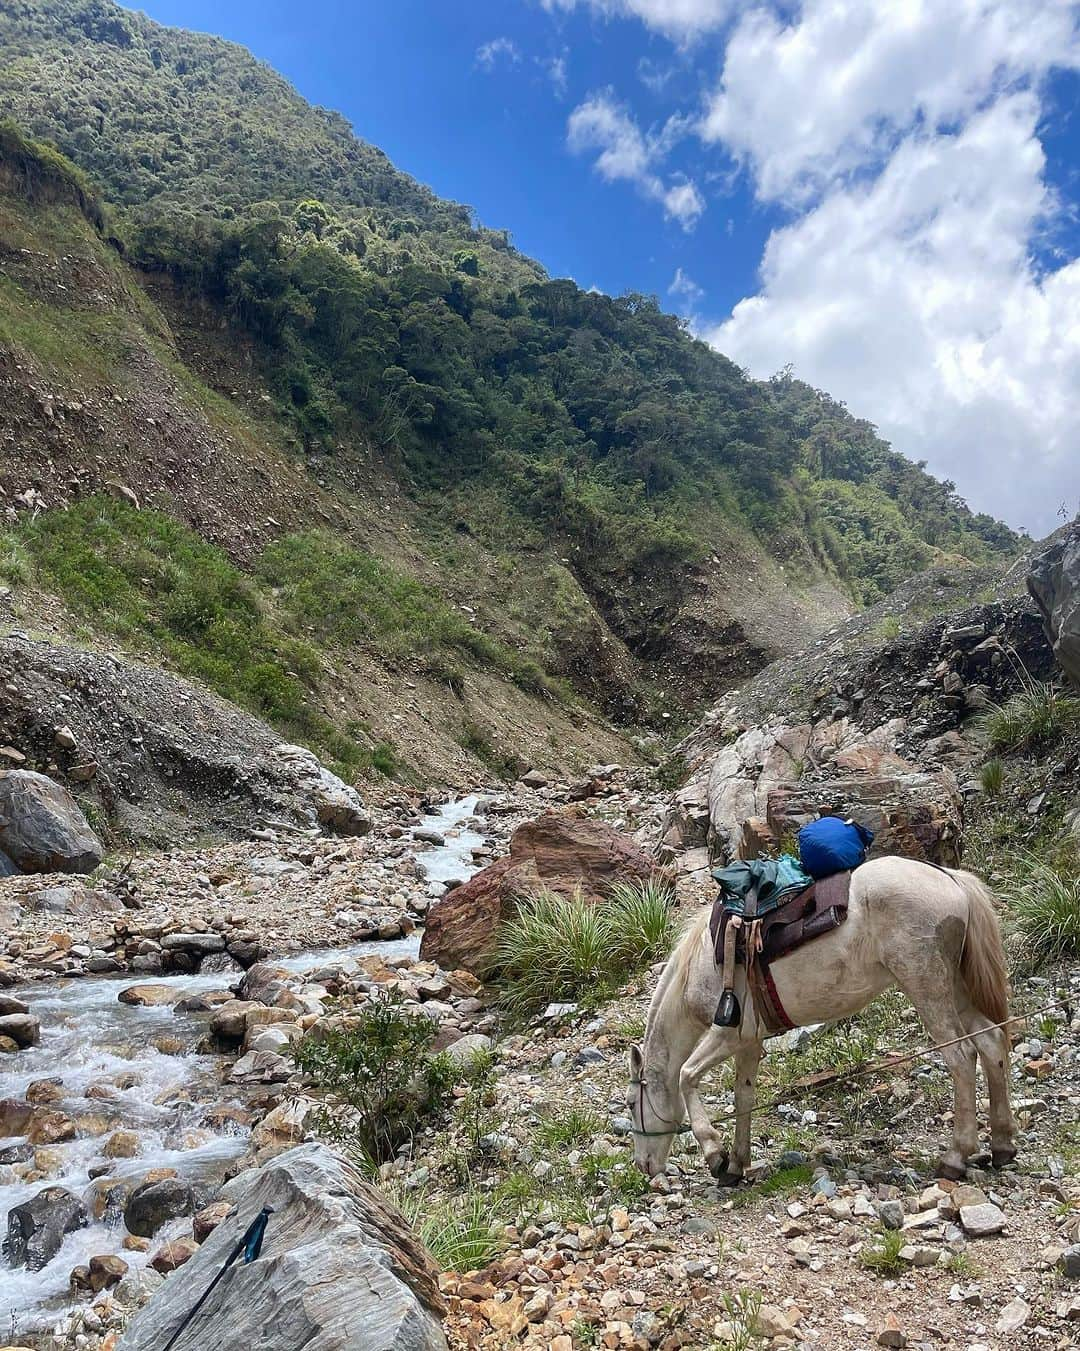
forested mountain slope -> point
(615, 503)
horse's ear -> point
(637, 1062)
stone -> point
(208, 1219)
(260, 1067)
(892, 1334)
(335, 806)
(1069, 1262)
(558, 852)
(534, 779)
(42, 828)
(339, 1268)
(155, 1203)
(229, 1021)
(106, 1271)
(1013, 1317)
(149, 996)
(1054, 584)
(173, 1254)
(121, 1145)
(891, 1214)
(463, 1050)
(22, 1028)
(200, 943)
(981, 1221)
(51, 1128)
(36, 1228)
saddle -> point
(742, 935)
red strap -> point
(774, 998)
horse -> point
(931, 931)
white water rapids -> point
(93, 1043)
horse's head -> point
(656, 1118)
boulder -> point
(36, 1229)
(339, 1269)
(1054, 583)
(559, 851)
(23, 1029)
(155, 1203)
(149, 996)
(335, 806)
(42, 828)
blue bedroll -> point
(832, 845)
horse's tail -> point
(982, 963)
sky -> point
(883, 195)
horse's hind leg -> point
(992, 1045)
(930, 988)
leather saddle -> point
(759, 940)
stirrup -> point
(728, 1013)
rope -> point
(892, 1061)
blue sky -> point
(882, 194)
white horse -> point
(931, 931)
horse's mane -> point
(677, 969)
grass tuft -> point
(560, 947)
(1035, 716)
(1045, 912)
(992, 776)
(462, 1233)
(883, 1255)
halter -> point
(674, 1128)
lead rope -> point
(891, 1061)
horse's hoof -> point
(951, 1173)
(1001, 1158)
(719, 1165)
(726, 1179)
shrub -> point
(560, 947)
(15, 566)
(1037, 715)
(1045, 912)
(379, 1077)
(992, 776)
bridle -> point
(673, 1128)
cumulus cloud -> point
(627, 153)
(497, 51)
(688, 294)
(809, 101)
(914, 297)
(681, 20)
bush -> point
(379, 1077)
(1037, 715)
(1045, 912)
(561, 947)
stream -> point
(112, 1076)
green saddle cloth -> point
(774, 880)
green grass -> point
(574, 1126)
(1033, 718)
(462, 1233)
(883, 1255)
(559, 948)
(992, 776)
(781, 1182)
(339, 593)
(475, 739)
(1044, 911)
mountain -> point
(383, 481)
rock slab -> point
(1054, 583)
(559, 852)
(36, 1229)
(42, 828)
(339, 1269)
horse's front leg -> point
(715, 1045)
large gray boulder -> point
(340, 1269)
(36, 1228)
(1054, 583)
(42, 828)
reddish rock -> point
(559, 851)
(174, 1254)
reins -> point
(827, 1079)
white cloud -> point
(686, 290)
(557, 72)
(681, 20)
(807, 101)
(498, 50)
(627, 153)
(913, 296)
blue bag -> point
(831, 845)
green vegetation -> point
(462, 1233)
(1033, 719)
(992, 776)
(572, 1126)
(1044, 909)
(780, 1182)
(379, 1077)
(528, 409)
(883, 1255)
(561, 947)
